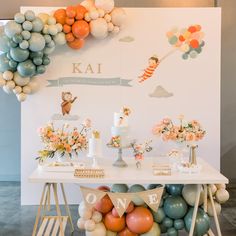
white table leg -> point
(214, 212)
(195, 210)
(67, 207)
(58, 209)
(39, 211)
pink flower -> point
(138, 156)
(166, 121)
(87, 123)
(157, 130)
(190, 137)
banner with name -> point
(121, 201)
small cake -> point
(95, 145)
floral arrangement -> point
(140, 149)
(115, 142)
(186, 131)
(63, 140)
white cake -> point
(95, 146)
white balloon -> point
(189, 193)
(51, 20)
(2, 82)
(45, 29)
(99, 230)
(80, 223)
(210, 209)
(6, 89)
(27, 89)
(84, 211)
(118, 16)
(88, 4)
(99, 28)
(60, 38)
(44, 17)
(8, 75)
(59, 27)
(21, 97)
(110, 27)
(20, 80)
(222, 195)
(106, 5)
(93, 14)
(17, 90)
(107, 17)
(116, 30)
(97, 217)
(89, 225)
(10, 85)
(52, 29)
(34, 86)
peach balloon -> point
(71, 11)
(104, 188)
(80, 12)
(60, 16)
(130, 207)
(126, 232)
(76, 44)
(70, 37)
(104, 205)
(80, 29)
(115, 224)
(115, 213)
(66, 29)
(140, 220)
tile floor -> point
(18, 221)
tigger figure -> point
(67, 101)
(153, 63)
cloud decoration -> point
(160, 92)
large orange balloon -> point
(130, 207)
(80, 29)
(80, 12)
(115, 224)
(60, 15)
(71, 12)
(140, 220)
(76, 44)
(126, 232)
(104, 205)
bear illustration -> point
(67, 102)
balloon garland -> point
(27, 41)
(174, 214)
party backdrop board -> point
(104, 77)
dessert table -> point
(128, 175)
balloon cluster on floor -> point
(188, 40)
(174, 213)
(27, 41)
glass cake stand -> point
(119, 162)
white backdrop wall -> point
(194, 83)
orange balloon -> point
(114, 212)
(70, 37)
(115, 224)
(140, 220)
(69, 21)
(60, 16)
(194, 43)
(70, 11)
(192, 29)
(181, 38)
(126, 232)
(105, 204)
(80, 29)
(130, 207)
(76, 44)
(80, 12)
(104, 188)
(66, 29)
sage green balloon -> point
(172, 232)
(36, 42)
(174, 189)
(175, 207)
(26, 68)
(153, 186)
(37, 25)
(119, 188)
(36, 54)
(17, 38)
(46, 60)
(41, 69)
(18, 54)
(12, 44)
(4, 43)
(159, 215)
(26, 34)
(167, 222)
(37, 61)
(13, 64)
(136, 199)
(4, 63)
(202, 224)
(19, 18)
(179, 224)
(163, 228)
(12, 28)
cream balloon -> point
(85, 212)
(110, 233)
(219, 186)
(89, 225)
(94, 14)
(88, 4)
(8, 75)
(101, 12)
(17, 90)
(222, 195)
(97, 217)
(99, 230)
(154, 231)
(118, 16)
(81, 223)
(99, 28)
(116, 30)
(189, 193)
(2, 82)
(60, 38)
(10, 85)
(110, 27)
(34, 86)
(106, 5)
(213, 189)
(21, 97)
(87, 17)
(27, 89)
(107, 17)
(20, 80)
(210, 209)
(44, 17)
(6, 89)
